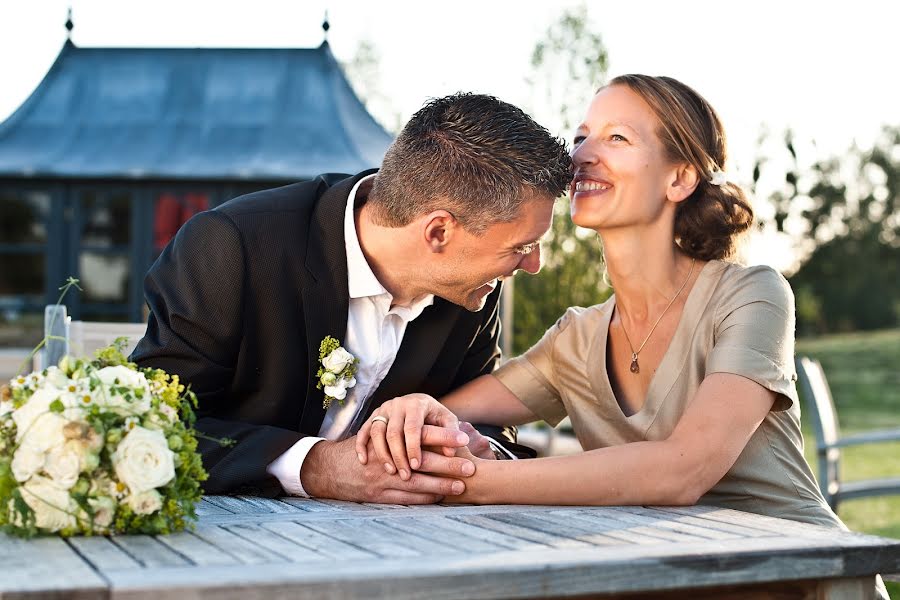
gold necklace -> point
(635, 367)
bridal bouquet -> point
(97, 447)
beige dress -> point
(736, 320)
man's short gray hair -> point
(473, 155)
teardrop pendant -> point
(635, 367)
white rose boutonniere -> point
(337, 372)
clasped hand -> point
(400, 428)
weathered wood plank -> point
(593, 570)
(467, 536)
(602, 525)
(281, 546)
(640, 516)
(520, 531)
(46, 567)
(197, 550)
(440, 539)
(206, 508)
(102, 553)
(307, 504)
(271, 505)
(730, 528)
(317, 542)
(761, 522)
(364, 534)
(148, 551)
(585, 530)
(242, 549)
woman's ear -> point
(685, 181)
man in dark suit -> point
(402, 266)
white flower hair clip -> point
(717, 177)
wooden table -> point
(246, 547)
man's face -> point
(473, 264)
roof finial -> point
(326, 26)
(69, 25)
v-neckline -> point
(672, 362)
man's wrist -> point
(314, 472)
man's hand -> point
(400, 427)
(333, 470)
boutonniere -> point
(337, 372)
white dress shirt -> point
(374, 334)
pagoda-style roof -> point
(191, 113)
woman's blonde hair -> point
(709, 223)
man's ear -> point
(440, 227)
(684, 181)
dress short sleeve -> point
(754, 333)
(532, 377)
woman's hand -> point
(478, 444)
(400, 427)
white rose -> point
(36, 406)
(145, 503)
(6, 407)
(338, 390)
(52, 506)
(56, 378)
(122, 376)
(63, 464)
(45, 432)
(27, 461)
(104, 510)
(338, 360)
(143, 461)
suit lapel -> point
(325, 291)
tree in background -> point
(569, 64)
(363, 73)
(847, 210)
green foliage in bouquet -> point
(98, 447)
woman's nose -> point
(584, 153)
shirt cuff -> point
(498, 447)
(286, 468)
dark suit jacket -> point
(240, 301)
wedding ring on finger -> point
(380, 418)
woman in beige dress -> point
(680, 387)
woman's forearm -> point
(636, 473)
(486, 400)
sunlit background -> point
(819, 69)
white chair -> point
(829, 440)
(81, 338)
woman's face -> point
(621, 172)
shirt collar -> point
(361, 281)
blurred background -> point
(117, 130)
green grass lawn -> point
(863, 370)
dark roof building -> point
(117, 147)
(191, 114)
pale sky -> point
(826, 69)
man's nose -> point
(531, 262)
